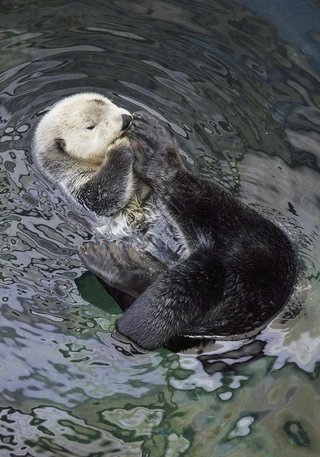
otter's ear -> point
(60, 143)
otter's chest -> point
(150, 227)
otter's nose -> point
(126, 121)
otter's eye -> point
(91, 127)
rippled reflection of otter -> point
(182, 256)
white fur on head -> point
(84, 125)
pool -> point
(240, 88)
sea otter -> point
(181, 254)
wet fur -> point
(180, 254)
(78, 146)
(235, 273)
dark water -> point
(241, 90)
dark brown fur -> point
(239, 271)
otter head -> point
(83, 126)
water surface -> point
(241, 90)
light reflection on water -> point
(244, 105)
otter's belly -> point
(114, 228)
(163, 238)
(149, 227)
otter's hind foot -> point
(121, 265)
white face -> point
(87, 123)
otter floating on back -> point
(180, 254)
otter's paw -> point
(154, 147)
(120, 151)
(121, 265)
(96, 258)
(122, 142)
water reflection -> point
(244, 104)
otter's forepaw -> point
(156, 154)
(120, 152)
(122, 142)
(151, 132)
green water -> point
(241, 90)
